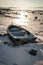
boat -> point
(19, 34)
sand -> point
(19, 55)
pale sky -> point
(21, 3)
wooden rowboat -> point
(19, 34)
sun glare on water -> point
(22, 20)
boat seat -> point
(14, 30)
(18, 33)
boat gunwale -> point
(19, 37)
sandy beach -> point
(19, 55)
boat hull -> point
(21, 39)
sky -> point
(21, 3)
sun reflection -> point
(22, 20)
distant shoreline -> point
(22, 8)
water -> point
(26, 8)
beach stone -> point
(36, 17)
(5, 42)
(0, 34)
(33, 52)
(15, 44)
